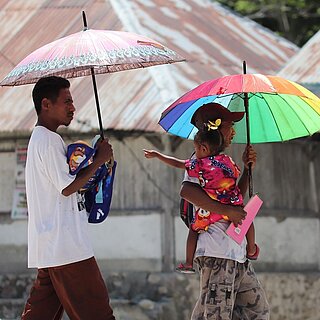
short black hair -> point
(213, 138)
(48, 87)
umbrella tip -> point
(244, 66)
(85, 26)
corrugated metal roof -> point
(214, 40)
(304, 67)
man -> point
(58, 242)
(229, 288)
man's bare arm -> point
(244, 182)
(193, 193)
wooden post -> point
(167, 218)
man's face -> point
(227, 131)
(62, 110)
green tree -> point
(295, 20)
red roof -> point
(304, 67)
(214, 40)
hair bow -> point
(213, 125)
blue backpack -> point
(98, 190)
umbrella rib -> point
(293, 110)
(301, 121)
(274, 119)
(236, 95)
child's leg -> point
(191, 246)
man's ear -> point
(45, 104)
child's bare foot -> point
(253, 253)
(185, 268)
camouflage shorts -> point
(229, 290)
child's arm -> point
(171, 161)
(249, 156)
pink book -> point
(252, 208)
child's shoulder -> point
(227, 160)
(223, 156)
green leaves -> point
(295, 20)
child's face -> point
(201, 150)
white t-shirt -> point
(57, 230)
(215, 242)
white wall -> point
(128, 237)
(133, 235)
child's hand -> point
(249, 156)
(236, 214)
(149, 154)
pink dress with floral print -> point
(218, 177)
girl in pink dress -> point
(217, 174)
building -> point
(304, 66)
(143, 231)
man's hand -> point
(149, 154)
(104, 152)
(235, 214)
(249, 156)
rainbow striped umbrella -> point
(279, 109)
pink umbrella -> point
(90, 52)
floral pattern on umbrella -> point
(103, 50)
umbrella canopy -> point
(90, 52)
(103, 50)
(279, 109)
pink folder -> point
(252, 208)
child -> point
(217, 174)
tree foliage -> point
(295, 20)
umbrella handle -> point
(110, 163)
(250, 181)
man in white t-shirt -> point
(58, 242)
(229, 288)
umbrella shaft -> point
(250, 181)
(246, 107)
(97, 102)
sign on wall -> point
(19, 205)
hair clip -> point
(213, 125)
